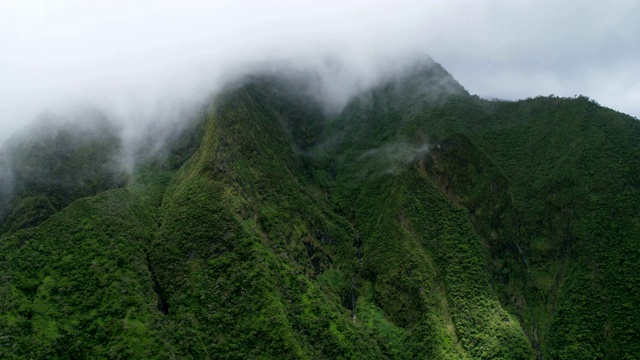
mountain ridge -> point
(420, 221)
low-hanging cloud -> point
(152, 61)
(394, 157)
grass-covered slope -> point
(420, 222)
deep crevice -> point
(162, 304)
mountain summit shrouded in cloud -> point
(132, 56)
(412, 220)
(296, 180)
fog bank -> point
(147, 61)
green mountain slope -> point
(420, 222)
(47, 166)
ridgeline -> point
(419, 222)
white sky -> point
(137, 56)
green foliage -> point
(77, 285)
(55, 166)
(421, 222)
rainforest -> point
(418, 221)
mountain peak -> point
(429, 80)
(419, 222)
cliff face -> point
(419, 222)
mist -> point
(394, 157)
(158, 62)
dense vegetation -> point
(420, 222)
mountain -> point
(419, 222)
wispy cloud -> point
(395, 156)
(136, 56)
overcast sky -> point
(138, 56)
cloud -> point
(137, 55)
(395, 156)
(519, 49)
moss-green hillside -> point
(420, 222)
